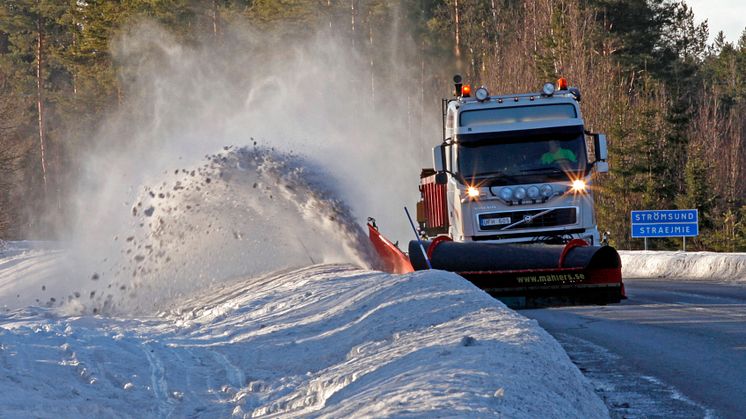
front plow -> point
(519, 275)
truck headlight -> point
(532, 192)
(506, 194)
(546, 191)
(520, 193)
(578, 185)
(472, 192)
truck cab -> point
(513, 169)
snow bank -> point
(684, 265)
(208, 312)
(329, 340)
(30, 273)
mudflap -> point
(533, 275)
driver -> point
(556, 153)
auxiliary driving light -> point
(548, 89)
(482, 94)
(520, 193)
(578, 185)
(532, 192)
(506, 194)
(472, 192)
(546, 191)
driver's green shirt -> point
(560, 154)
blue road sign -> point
(665, 223)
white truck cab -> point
(513, 169)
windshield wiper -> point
(489, 178)
(495, 177)
(543, 170)
(490, 175)
(499, 176)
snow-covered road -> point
(673, 349)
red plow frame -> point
(520, 275)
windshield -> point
(530, 159)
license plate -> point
(486, 222)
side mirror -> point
(439, 158)
(602, 151)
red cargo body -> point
(435, 205)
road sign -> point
(665, 223)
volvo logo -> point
(527, 219)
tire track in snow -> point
(235, 376)
(158, 382)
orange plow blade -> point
(393, 260)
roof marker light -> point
(466, 90)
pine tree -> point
(35, 38)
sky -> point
(726, 15)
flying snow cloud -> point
(237, 159)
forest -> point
(672, 104)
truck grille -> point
(557, 217)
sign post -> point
(665, 223)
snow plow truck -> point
(508, 203)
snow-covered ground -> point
(706, 266)
(234, 288)
(324, 340)
(26, 270)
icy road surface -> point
(328, 340)
(674, 349)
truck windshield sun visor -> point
(517, 114)
(468, 139)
